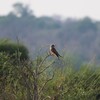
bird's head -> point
(52, 46)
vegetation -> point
(13, 48)
(39, 79)
(43, 78)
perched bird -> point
(53, 51)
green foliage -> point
(40, 80)
(14, 49)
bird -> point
(53, 51)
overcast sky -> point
(64, 8)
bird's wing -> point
(55, 52)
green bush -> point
(42, 80)
(15, 50)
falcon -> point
(53, 51)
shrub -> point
(15, 50)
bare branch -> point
(43, 60)
(32, 72)
(46, 68)
(46, 83)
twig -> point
(32, 73)
(43, 60)
(46, 68)
(46, 83)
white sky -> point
(64, 8)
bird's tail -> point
(60, 57)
